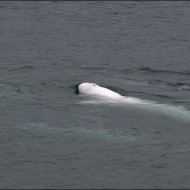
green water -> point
(106, 134)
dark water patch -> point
(114, 13)
(153, 95)
(172, 40)
(163, 96)
(2, 68)
(14, 91)
(93, 68)
(9, 91)
(24, 68)
(74, 88)
(152, 71)
(158, 83)
(177, 85)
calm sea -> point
(49, 139)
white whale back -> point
(94, 89)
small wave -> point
(177, 85)
(93, 68)
(22, 68)
(153, 95)
(149, 70)
(159, 83)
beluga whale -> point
(97, 92)
(100, 95)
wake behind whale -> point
(100, 95)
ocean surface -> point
(51, 138)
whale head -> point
(94, 89)
(85, 88)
